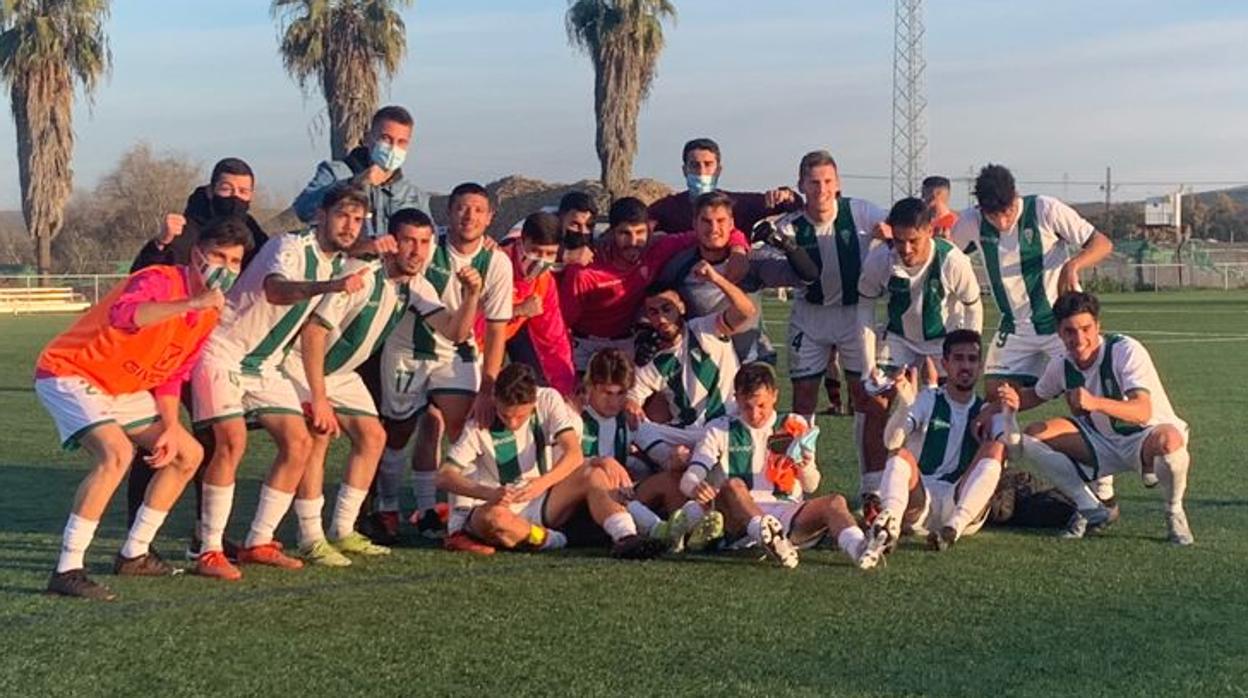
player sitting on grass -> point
(344, 330)
(113, 379)
(938, 478)
(744, 467)
(1121, 419)
(529, 474)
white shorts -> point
(219, 390)
(897, 351)
(938, 507)
(1114, 454)
(1020, 358)
(407, 383)
(814, 331)
(77, 407)
(584, 348)
(346, 392)
(533, 511)
(649, 434)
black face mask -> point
(228, 206)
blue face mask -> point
(701, 184)
(388, 157)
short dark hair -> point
(413, 217)
(712, 199)
(994, 189)
(1073, 303)
(909, 213)
(516, 385)
(628, 209)
(957, 337)
(231, 166)
(393, 113)
(465, 189)
(936, 182)
(542, 228)
(226, 231)
(611, 367)
(754, 376)
(344, 191)
(813, 159)
(578, 201)
(700, 144)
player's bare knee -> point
(1169, 439)
(836, 503)
(370, 438)
(190, 456)
(1036, 429)
(116, 460)
(736, 486)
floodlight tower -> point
(909, 141)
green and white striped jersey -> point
(1024, 262)
(837, 248)
(939, 434)
(498, 456)
(924, 302)
(695, 375)
(416, 338)
(359, 322)
(604, 437)
(256, 333)
(732, 448)
(1122, 364)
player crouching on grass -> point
(938, 478)
(113, 380)
(742, 466)
(1121, 419)
(524, 497)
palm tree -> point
(45, 46)
(623, 39)
(344, 45)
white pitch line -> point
(1197, 340)
(1209, 335)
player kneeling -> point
(761, 493)
(938, 478)
(524, 497)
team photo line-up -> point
(613, 389)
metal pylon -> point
(909, 141)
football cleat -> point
(268, 554)
(940, 541)
(77, 584)
(213, 563)
(323, 553)
(357, 543)
(148, 565)
(773, 541)
(1176, 526)
(464, 543)
(1085, 522)
(705, 532)
(871, 553)
(887, 524)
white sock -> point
(346, 510)
(424, 486)
(214, 515)
(693, 512)
(619, 525)
(850, 540)
(1171, 471)
(146, 523)
(74, 542)
(554, 540)
(1103, 488)
(977, 489)
(390, 478)
(308, 512)
(269, 512)
(645, 519)
(754, 529)
(1061, 470)
(894, 486)
(860, 430)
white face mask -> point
(388, 157)
(534, 265)
(215, 276)
(701, 184)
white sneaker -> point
(772, 539)
(871, 552)
(554, 540)
(1180, 532)
(888, 525)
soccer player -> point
(1121, 419)
(112, 381)
(600, 302)
(762, 494)
(528, 475)
(935, 194)
(343, 331)
(430, 383)
(1033, 249)
(239, 376)
(929, 286)
(702, 167)
(938, 479)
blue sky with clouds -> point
(1054, 89)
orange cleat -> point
(463, 543)
(268, 554)
(213, 563)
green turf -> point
(1006, 612)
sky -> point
(1057, 91)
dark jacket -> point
(198, 213)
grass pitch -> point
(1005, 612)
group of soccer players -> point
(597, 389)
